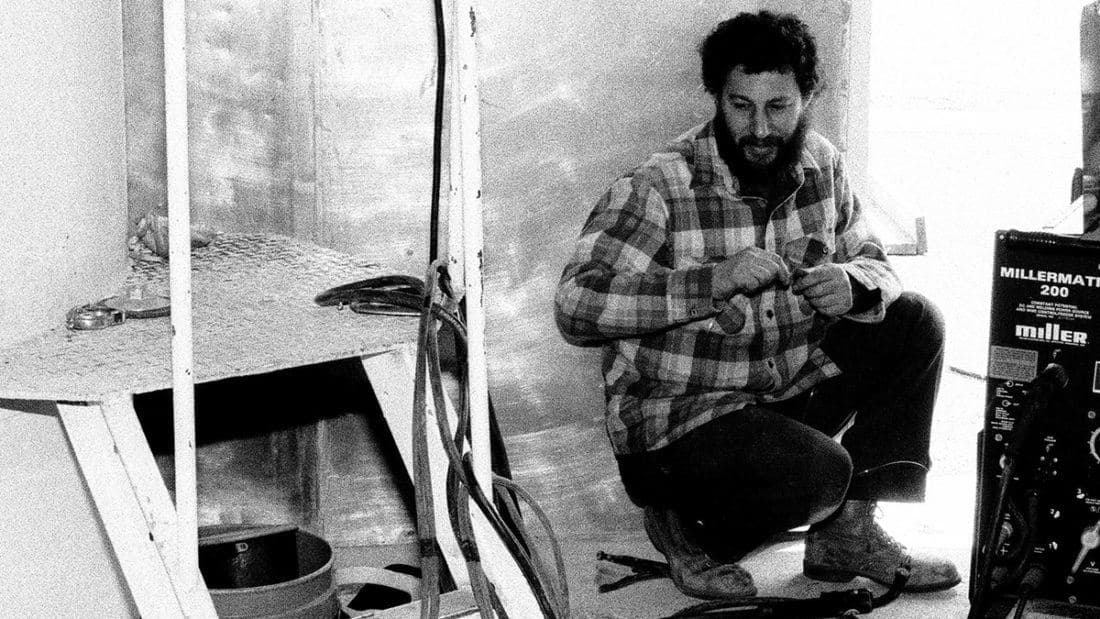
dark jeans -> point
(768, 468)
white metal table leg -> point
(134, 505)
(391, 376)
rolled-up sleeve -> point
(620, 281)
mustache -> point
(769, 141)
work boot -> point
(692, 571)
(853, 544)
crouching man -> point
(746, 312)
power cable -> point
(437, 135)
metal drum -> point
(268, 571)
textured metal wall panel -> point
(250, 75)
(374, 128)
(285, 93)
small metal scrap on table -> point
(93, 316)
(136, 302)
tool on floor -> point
(609, 579)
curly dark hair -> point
(763, 41)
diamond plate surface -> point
(253, 313)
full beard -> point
(787, 150)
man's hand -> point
(748, 271)
(826, 288)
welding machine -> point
(1037, 522)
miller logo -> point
(1052, 333)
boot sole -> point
(835, 574)
(705, 595)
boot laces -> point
(878, 536)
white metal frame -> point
(134, 506)
(392, 376)
(466, 226)
(179, 264)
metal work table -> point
(253, 313)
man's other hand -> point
(827, 289)
(748, 271)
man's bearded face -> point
(765, 114)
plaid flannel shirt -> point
(639, 283)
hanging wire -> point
(437, 137)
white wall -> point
(56, 557)
(62, 164)
(62, 242)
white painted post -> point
(500, 567)
(179, 261)
(103, 465)
(392, 376)
(473, 237)
(456, 249)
